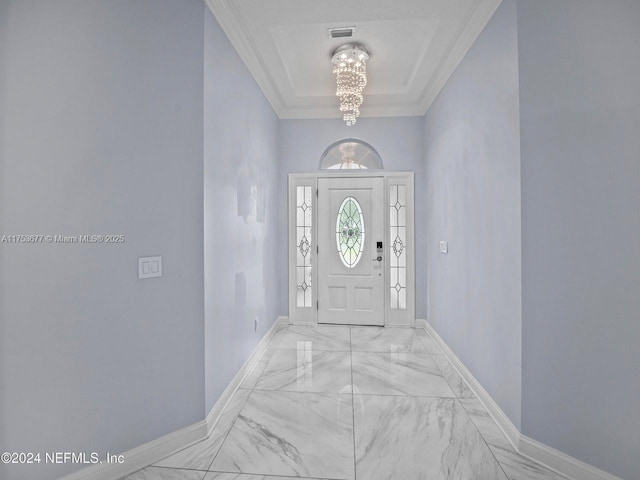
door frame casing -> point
(367, 275)
(309, 315)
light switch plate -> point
(149, 267)
(444, 247)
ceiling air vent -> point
(342, 32)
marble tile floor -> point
(351, 403)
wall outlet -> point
(255, 324)
(149, 267)
(444, 247)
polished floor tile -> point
(458, 385)
(297, 416)
(515, 465)
(291, 434)
(427, 341)
(413, 438)
(200, 455)
(254, 375)
(518, 467)
(241, 476)
(485, 424)
(398, 374)
(281, 330)
(323, 337)
(386, 340)
(158, 473)
(307, 370)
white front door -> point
(350, 255)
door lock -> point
(379, 249)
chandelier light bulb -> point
(350, 67)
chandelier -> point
(350, 66)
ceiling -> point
(415, 45)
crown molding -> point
(231, 23)
(473, 26)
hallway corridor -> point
(339, 402)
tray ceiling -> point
(415, 45)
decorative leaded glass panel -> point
(398, 246)
(303, 246)
(350, 232)
(349, 154)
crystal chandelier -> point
(350, 66)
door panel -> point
(350, 276)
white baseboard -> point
(504, 423)
(144, 455)
(155, 450)
(561, 462)
(246, 369)
(549, 457)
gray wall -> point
(580, 102)
(240, 196)
(101, 133)
(473, 201)
(398, 140)
(4, 14)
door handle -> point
(378, 258)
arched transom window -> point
(350, 154)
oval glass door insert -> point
(350, 232)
